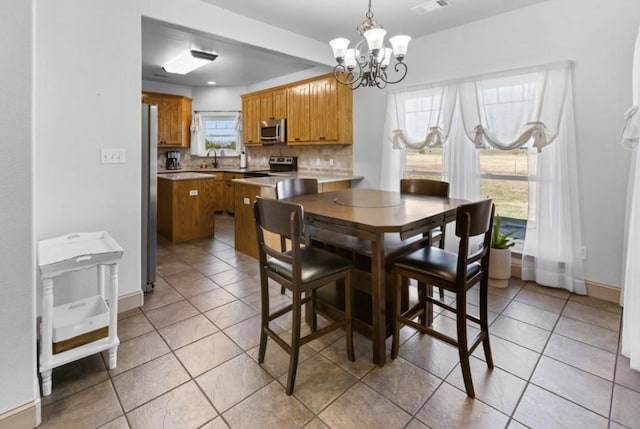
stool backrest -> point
(434, 188)
(296, 187)
(472, 220)
(280, 218)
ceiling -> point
(241, 65)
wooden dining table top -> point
(376, 210)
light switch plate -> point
(112, 156)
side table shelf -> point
(86, 326)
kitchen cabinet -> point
(250, 119)
(174, 118)
(218, 190)
(273, 104)
(318, 111)
(229, 191)
(186, 207)
(298, 113)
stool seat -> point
(438, 262)
(315, 265)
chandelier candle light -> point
(369, 68)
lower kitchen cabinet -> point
(186, 208)
(228, 192)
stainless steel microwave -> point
(273, 131)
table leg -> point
(378, 320)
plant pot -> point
(500, 267)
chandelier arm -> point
(398, 65)
(352, 81)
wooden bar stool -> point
(432, 266)
(302, 270)
(289, 188)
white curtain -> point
(416, 117)
(197, 135)
(631, 278)
(552, 245)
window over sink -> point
(221, 133)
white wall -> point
(167, 88)
(17, 246)
(88, 98)
(599, 38)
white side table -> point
(80, 328)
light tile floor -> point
(188, 359)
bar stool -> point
(302, 270)
(432, 266)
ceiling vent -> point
(430, 6)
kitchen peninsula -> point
(247, 189)
(186, 205)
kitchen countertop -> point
(273, 178)
(213, 170)
(185, 175)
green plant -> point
(498, 239)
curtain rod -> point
(217, 111)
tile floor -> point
(187, 359)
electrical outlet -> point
(583, 252)
(331, 162)
(112, 156)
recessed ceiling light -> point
(430, 6)
(189, 61)
(211, 82)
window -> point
(503, 177)
(221, 135)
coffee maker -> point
(173, 160)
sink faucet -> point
(215, 158)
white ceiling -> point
(322, 20)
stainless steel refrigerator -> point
(149, 195)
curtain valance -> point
(508, 110)
(425, 111)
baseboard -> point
(603, 291)
(130, 301)
(27, 416)
(594, 289)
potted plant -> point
(500, 257)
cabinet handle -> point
(297, 139)
(322, 137)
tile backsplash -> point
(336, 158)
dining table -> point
(372, 215)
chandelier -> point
(368, 62)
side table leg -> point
(113, 357)
(46, 382)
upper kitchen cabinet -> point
(320, 112)
(317, 110)
(174, 118)
(250, 119)
(273, 104)
(298, 113)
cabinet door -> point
(250, 119)
(174, 118)
(279, 103)
(323, 110)
(298, 113)
(171, 117)
(266, 106)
